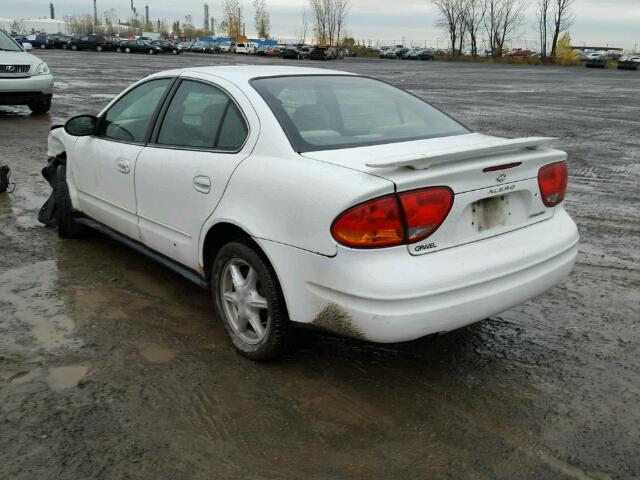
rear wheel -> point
(67, 226)
(119, 50)
(74, 47)
(43, 46)
(248, 298)
(127, 50)
(151, 51)
(99, 48)
(175, 52)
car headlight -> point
(43, 69)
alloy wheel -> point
(245, 307)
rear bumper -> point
(20, 91)
(390, 296)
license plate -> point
(489, 213)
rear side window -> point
(324, 112)
(202, 116)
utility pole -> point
(52, 11)
(146, 14)
(95, 12)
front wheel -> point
(175, 52)
(248, 298)
(40, 107)
(98, 48)
(67, 226)
(151, 52)
(127, 50)
(74, 47)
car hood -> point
(19, 58)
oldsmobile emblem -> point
(9, 68)
(502, 178)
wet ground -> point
(112, 367)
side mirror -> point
(81, 126)
(27, 46)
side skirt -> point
(176, 267)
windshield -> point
(7, 43)
(325, 112)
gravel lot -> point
(112, 367)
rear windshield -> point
(326, 112)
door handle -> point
(202, 184)
(123, 165)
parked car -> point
(98, 43)
(323, 53)
(410, 54)
(629, 62)
(227, 47)
(166, 46)
(185, 46)
(273, 52)
(205, 47)
(291, 52)
(57, 41)
(425, 54)
(36, 40)
(139, 46)
(246, 48)
(400, 222)
(519, 52)
(305, 50)
(24, 78)
(262, 50)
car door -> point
(104, 164)
(201, 136)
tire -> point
(43, 46)
(65, 46)
(74, 47)
(67, 226)
(275, 338)
(175, 52)
(151, 52)
(98, 48)
(119, 50)
(127, 50)
(40, 107)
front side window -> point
(324, 112)
(130, 117)
(202, 116)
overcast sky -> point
(614, 22)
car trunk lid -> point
(494, 180)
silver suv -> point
(24, 78)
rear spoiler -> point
(422, 161)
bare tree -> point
(562, 21)
(450, 14)
(502, 19)
(329, 18)
(232, 18)
(339, 18)
(543, 11)
(304, 26)
(262, 18)
(473, 16)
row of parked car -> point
(406, 53)
(151, 46)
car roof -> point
(243, 73)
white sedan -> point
(317, 197)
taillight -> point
(376, 223)
(391, 220)
(552, 180)
(425, 210)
